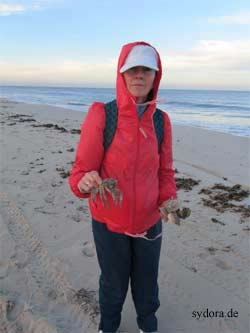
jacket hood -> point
(123, 96)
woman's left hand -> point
(164, 216)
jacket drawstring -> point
(143, 235)
(154, 101)
(143, 132)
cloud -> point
(8, 9)
(211, 55)
(59, 72)
(239, 18)
(210, 64)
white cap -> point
(141, 55)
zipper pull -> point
(143, 132)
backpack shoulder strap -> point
(111, 113)
(159, 127)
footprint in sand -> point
(24, 173)
(49, 198)
(21, 258)
(88, 249)
(76, 218)
(203, 255)
(222, 264)
(4, 269)
(17, 316)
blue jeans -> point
(122, 257)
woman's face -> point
(139, 81)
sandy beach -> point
(48, 266)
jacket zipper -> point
(136, 159)
(139, 128)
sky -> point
(203, 44)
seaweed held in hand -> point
(108, 185)
(174, 212)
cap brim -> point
(125, 67)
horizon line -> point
(87, 87)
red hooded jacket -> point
(145, 177)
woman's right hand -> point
(89, 180)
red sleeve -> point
(90, 149)
(167, 186)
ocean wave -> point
(223, 111)
(209, 106)
(76, 103)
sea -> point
(216, 110)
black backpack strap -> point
(159, 127)
(111, 113)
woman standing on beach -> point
(128, 238)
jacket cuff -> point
(80, 194)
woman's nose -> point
(139, 72)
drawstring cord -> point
(143, 235)
(161, 100)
